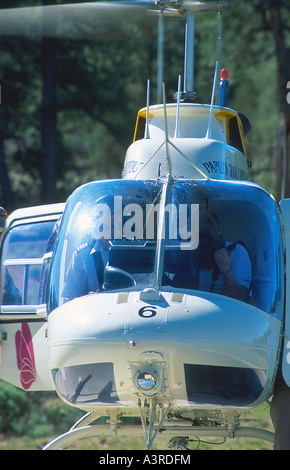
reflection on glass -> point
(217, 237)
(23, 248)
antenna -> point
(160, 55)
(147, 136)
(176, 133)
(168, 161)
(215, 88)
(208, 133)
(218, 48)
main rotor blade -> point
(73, 20)
(93, 18)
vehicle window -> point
(102, 223)
(108, 240)
(23, 248)
(245, 224)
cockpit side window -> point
(23, 248)
(235, 135)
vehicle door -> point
(285, 209)
(23, 350)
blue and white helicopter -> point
(114, 299)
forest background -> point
(68, 108)
(69, 104)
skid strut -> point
(171, 429)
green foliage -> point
(33, 414)
(100, 85)
(248, 52)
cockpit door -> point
(23, 351)
(285, 209)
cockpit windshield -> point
(123, 234)
(103, 242)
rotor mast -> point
(187, 9)
(188, 88)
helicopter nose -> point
(105, 348)
(111, 349)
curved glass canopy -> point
(120, 234)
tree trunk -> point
(7, 199)
(283, 62)
(49, 116)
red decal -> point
(25, 356)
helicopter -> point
(106, 300)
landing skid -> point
(180, 431)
